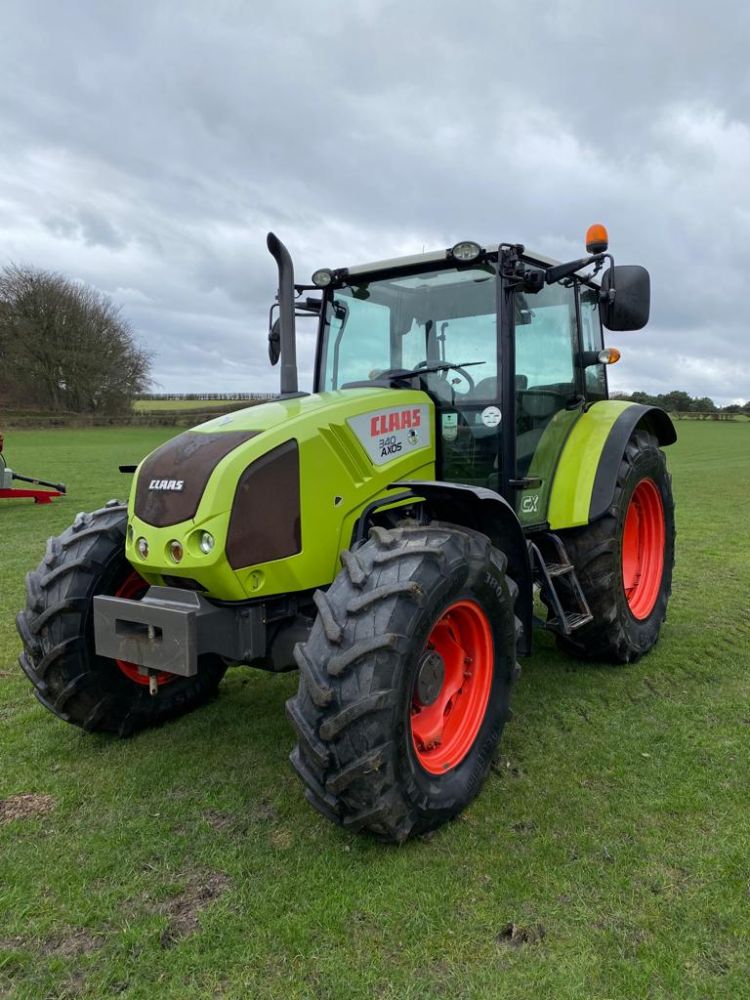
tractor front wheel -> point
(405, 680)
(624, 560)
(57, 630)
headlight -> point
(175, 550)
(142, 547)
(206, 542)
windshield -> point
(410, 321)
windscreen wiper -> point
(425, 368)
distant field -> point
(185, 863)
(154, 405)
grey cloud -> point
(148, 149)
(87, 225)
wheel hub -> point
(643, 541)
(430, 677)
(452, 686)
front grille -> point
(265, 520)
(189, 459)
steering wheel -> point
(428, 368)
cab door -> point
(548, 390)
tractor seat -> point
(487, 388)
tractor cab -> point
(507, 344)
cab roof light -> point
(323, 277)
(465, 251)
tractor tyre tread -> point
(347, 753)
(614, 635)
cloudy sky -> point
(148, 148)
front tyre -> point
(624, 560)
(405, 680)
(57, 631)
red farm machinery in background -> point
(38, 490)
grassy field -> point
(153, 405)
(613, 830)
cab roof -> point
(434, 257)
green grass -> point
(184, 863)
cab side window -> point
(593, 340)
(546, 376)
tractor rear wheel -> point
(405, 680)
(624, 560)
(57, 630)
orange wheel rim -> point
(452, 688)
(643, 549)
(133, 588)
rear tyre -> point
(624, 560)
(57, 630)
(405, 680)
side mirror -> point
(274, 342)
(625, 298)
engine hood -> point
(280, 483)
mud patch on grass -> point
(182, 911)
(263, 811)
(72, 944)
(524, 826)
(25, 807)
(281, 839)
(220, 821)
(69, 943)
(517, 935)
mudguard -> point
(486, 511)
(584, 482)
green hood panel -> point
(352, 445)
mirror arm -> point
(589, 358)
(560, 271)
(608, 295)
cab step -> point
(559, 569)
(568, 608)
(572, 622)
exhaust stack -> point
(288, 336)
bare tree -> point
(65, 346)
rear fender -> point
(586, 475)
(486, 511)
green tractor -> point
(384, 534)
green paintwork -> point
(338, 480)
(574, 477)
(333, 464)
(532, 504)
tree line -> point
(65, 346)
(678, 401)
(229, 396)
